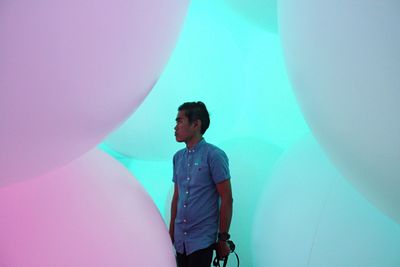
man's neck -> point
(194, 141)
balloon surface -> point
(344, 60)
(250, 162)
(309, 215)
(71, 72)
(156, 178)
(91, 212)
(261, 12)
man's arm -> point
(174, 206)
(225, 192)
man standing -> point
(201, 208)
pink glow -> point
(91, 212)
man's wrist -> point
(223, 236)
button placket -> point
(189, 163)
(187, 188)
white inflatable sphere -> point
(250, 162)
(72, 71)
(91, 212)
(260, 12)
(309, 215)
(343, 58)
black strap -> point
(232, 248)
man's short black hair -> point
(196, 111)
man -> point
(201, 208)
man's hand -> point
(174, 208)
(171, 235)
(223, 249)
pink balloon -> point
(91, 212)
(71, 71)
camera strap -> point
(225, 259)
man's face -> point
(184, 131)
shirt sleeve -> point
(174, 179)
(219, 166)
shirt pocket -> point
(201, 174)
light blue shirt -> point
(196, 172)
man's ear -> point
(197, 124)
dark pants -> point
(199, 258)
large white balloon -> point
(344, 59)
(91, 212)
(71, 71)
(261, 12)
(311, 216)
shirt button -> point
(188, 164)
(185, 233)
(184, 206)
(187, 192)
(184, 220)
(188, 178)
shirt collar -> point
(196, 146)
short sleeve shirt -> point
(196, 172)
